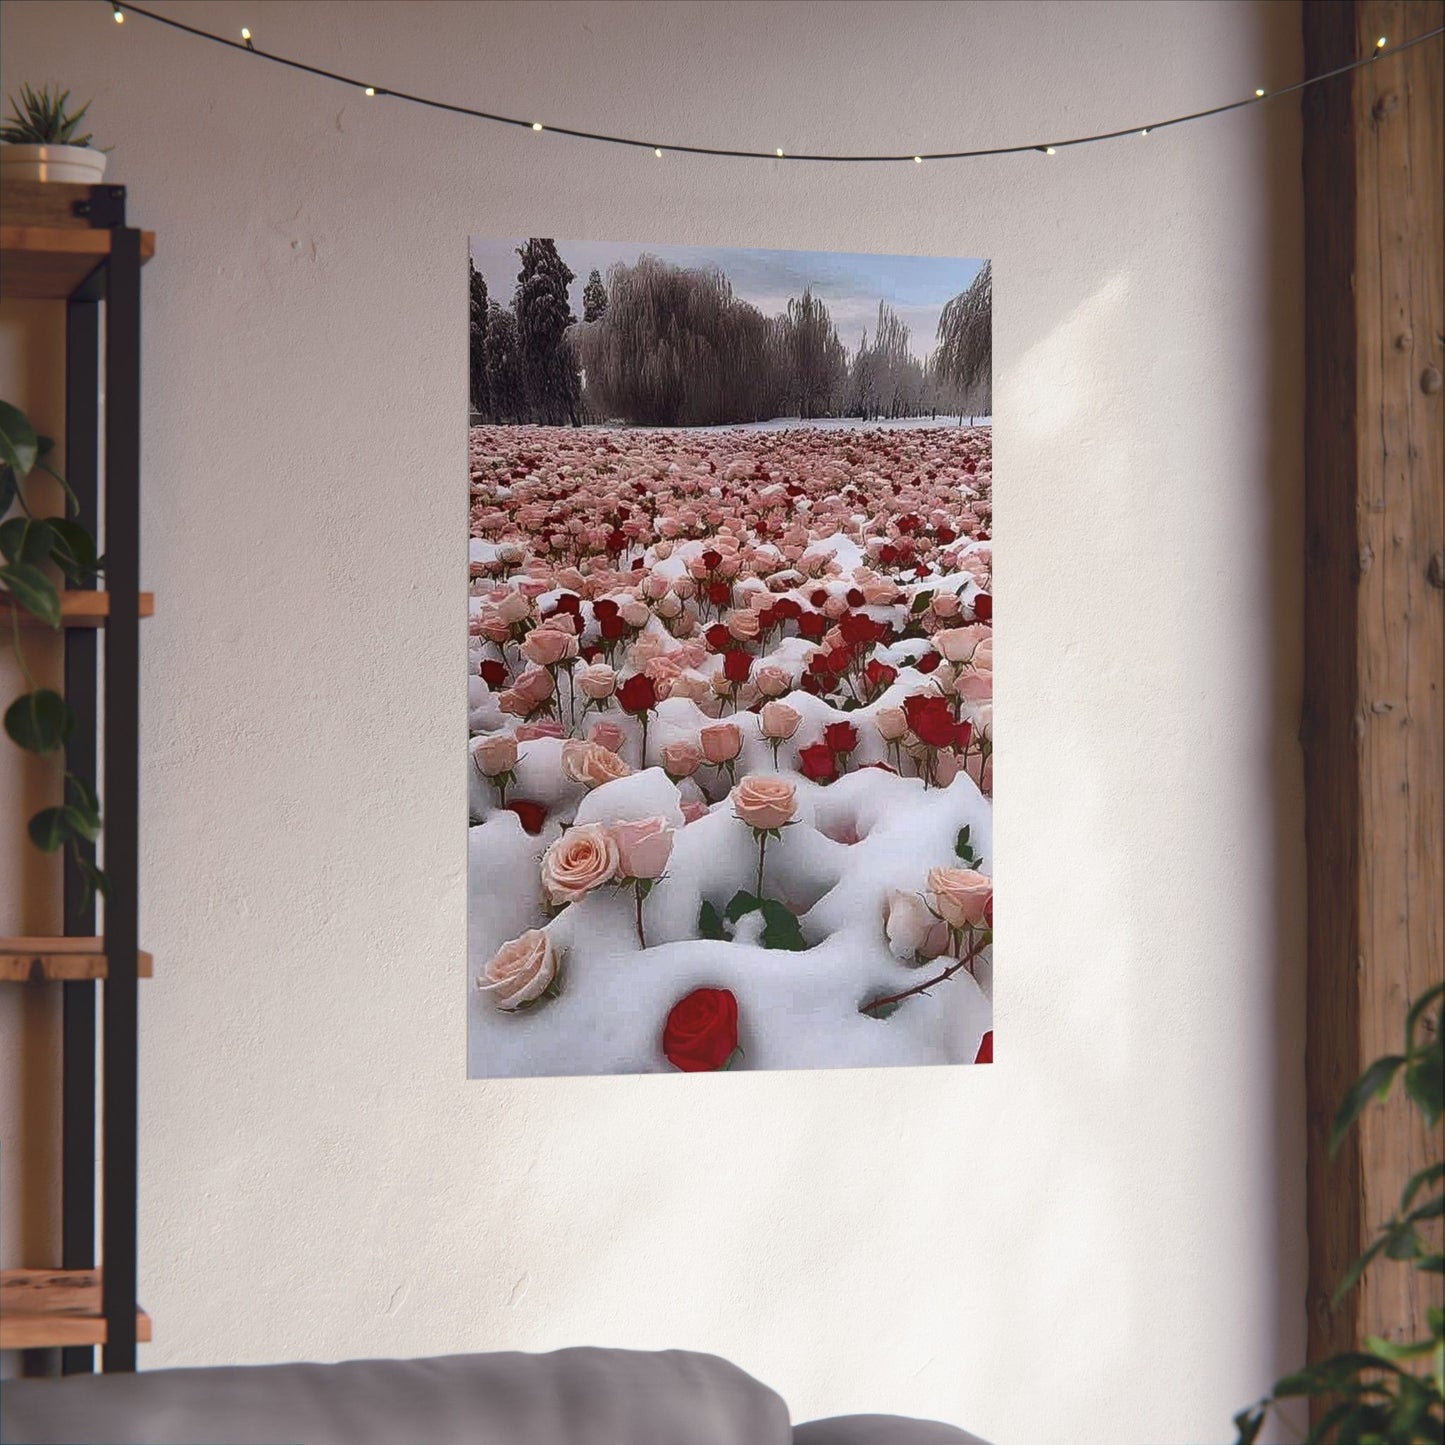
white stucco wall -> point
(1098, 1239)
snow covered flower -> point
(548, 646)
(495, 754)
(520, 971)
(582, 859)
(681, 760)
(765, 802)
(914, 932)
(721, 743)
(597, 682)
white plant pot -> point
(80, 165)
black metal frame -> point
(116, 282)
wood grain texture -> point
(77, 609)
(1374, 718)
(36, 960)
(40, 262)
(49, 1308)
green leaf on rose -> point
(742, 902)
(920, 602)
(781, 928)
(963, 847)
(710, 923)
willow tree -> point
(964, 358)
(817, 362)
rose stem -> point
(641, 936)
(965, 962)
(762, 851)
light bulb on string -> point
(1050, 151)
(119, 14)
(779, 153)
(1259, 92)
(536, 125)
(246, 36)
(918, 160)
(1380, 43)
(657, 151)
(1145, 131)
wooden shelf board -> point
(77, 609)
(49, 262)
(59, 960)
(50, 1308)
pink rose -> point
(520, 971)
(590, 764)
(946, 767)
(643, 847)
(597, 681)
(495, 755)
(765, 801)
(692, 810)
(547, 646)
(582, 859)
(721, 742)
(913, 932)
(891, 722)
(543, 728)
(772, 681)
(608, 734)
(960, 895)
(534, 687)
(634, 612)
(778, 721)
(513, 608)
(681, 760)
(744, 625)
(957, 644)
(946, 604)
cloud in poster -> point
(851, 283)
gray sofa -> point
(571, 1397)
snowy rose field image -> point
(730, 660)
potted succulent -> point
(40, 143)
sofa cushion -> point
(570, 1397)
(880, 1430)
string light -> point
(119, 14)
(778, 153)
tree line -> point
(664, 345)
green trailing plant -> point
(40, 720)
(39, 118)
(1387, 1393)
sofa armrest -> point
(880, 1430)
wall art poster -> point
(730, 659)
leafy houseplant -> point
(40, 720)
(40, 140)
(1375, 1396)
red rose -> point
(857, 628)
(605, 607)
(853, 597)
(812, 625)
(818, 763)
(613, 628)
(569, 602)
(718, 637)
(985, 1050)
(879, 674)
(839, 659)
(928, 662)
(983, 607)
(930, 718)
(818, 596)
(788, 608)
(533, 815)
(720, 594)
(737, 666)
(946, 535)
(888, 554)
(701, 1033)
(962, 736)
(841, 737)
(638, 694)
(712, 559)
(492, 672)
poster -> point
(730, 659)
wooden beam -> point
(1373, 727)
(53, 1308)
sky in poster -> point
(852, 283)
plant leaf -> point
(1425, 1081)
(1249, 1423)
(1427, 1175)
(740, 903)
(33, 590)
(1419, 1007)
(39, 721)
(1374, 1083)
(781, 928)
(47, 829)
(19, 447)
(24, 539)
(73, 548)
(8, 488)
(709, 922)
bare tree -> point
(964, 358)
(817, 363)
